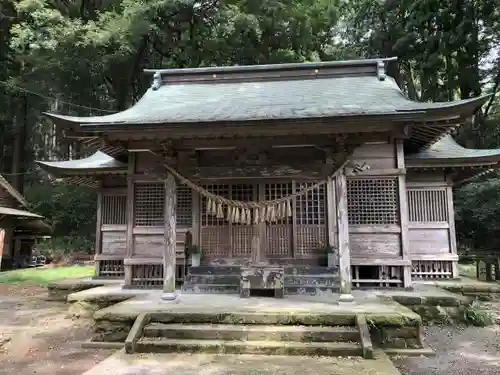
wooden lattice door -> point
(221, 238)
(278, 235)
(243, 235)
(310, 221)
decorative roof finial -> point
(381, 70)
(156, 81)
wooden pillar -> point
(130, 217)
(403, 214)
(452, 232)
(169, 253)
(98, 225)
(330, 212)
(343, 238)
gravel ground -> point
(37, 337)
(459, 351)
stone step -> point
(163, 345)
(215, 270)
(213, 279)
(211, 288)
(290, 280)
(289, 270)
(311, 290)
(312, 280)
(277, 317)
(240, 332)
(310, 270)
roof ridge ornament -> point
(156, 81)
(381, 70)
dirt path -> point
(37, 337)
(459, 350)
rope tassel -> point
(220, 212)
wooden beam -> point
(220, 143)
(169, 254)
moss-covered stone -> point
(439, 314)
(111, 331)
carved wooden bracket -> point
(251, 156)
(169, 152)
(352, 169)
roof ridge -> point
(270, 67)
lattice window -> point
(432, 269)
(206, 219)
(114, 209)
(311, 206)
(184, 210)
(427, 205)
(111, 268)
(278, 234)
(149, 204)
(372, 201)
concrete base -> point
(346, 298)
(172, 297)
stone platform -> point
(294, 325)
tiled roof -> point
(304, 98)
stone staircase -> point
(299, 280)
(152, 334)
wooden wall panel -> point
(426, 177)
(149, 245)
(114, 243)
(377, 156)
(429, 241)
(145, 161)
(375, 245)
(114, 181)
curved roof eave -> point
(447, 151)
(98, 162)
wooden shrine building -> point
(22, 228)
(275, 166)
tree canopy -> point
(86, 57)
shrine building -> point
(324, 175)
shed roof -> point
(12, 191)
(97, 162)
(447, 151)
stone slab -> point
(377, 310)
(111, 293)
(213, 364)
(425, 294)
(464, 284)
